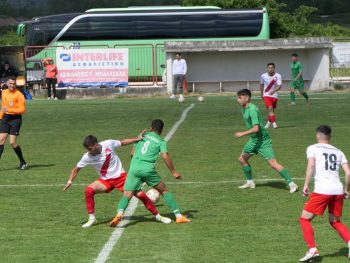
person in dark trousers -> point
(51, 80)
(13, 105)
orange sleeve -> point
(20, 107)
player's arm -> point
(133, 140)
(170, 165)
(308, 174)
(72, 176)
(346, 169)
(254, 129)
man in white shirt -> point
(270, 84)
(324, 161)
(102, 157)
(179, 73)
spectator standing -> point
(179, 73)
(51, 80)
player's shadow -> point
(149, 218)
(343, 252)
(286, 127)
(273, 184)
(30, 166)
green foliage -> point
(282, 23)
(11, 38)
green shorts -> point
(299, 84)
(136, 177)
(263, 147)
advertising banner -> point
(92, 67)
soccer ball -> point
(200, 99)
(154, 195)
(181, 99)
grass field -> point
(41, 223)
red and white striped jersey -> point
(270, 84)
(107, 164)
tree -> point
(282, 23)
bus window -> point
(38, 39)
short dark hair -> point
(178, 53)
(271, 64)
(244, 92)
(294, 55)
(157, 125)
(325, 129)
(89, 140)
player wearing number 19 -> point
(323, 163)
(142, 169)
(259, 143)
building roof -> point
(248, 45)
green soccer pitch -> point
(41, 223)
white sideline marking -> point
(118, 232)
(172, 183)
(177, 124)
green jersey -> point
(251, 117)
(147, 150)
(296, 68)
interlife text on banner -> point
(92, 67)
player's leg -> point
(15, 126)
(308, 234)
(48, 86)
(53, 84)
(268, 105)
(176, 80)
(335, 209)
(247, 169)
(4, 131)
(283, 172)
(171, 202)
(267, 152)
(150, 207)
(304, 93)
(3, 137)
(181, 80)
(132, 184)
(119, 184)
(273, 118)
(94, 188)
(292, 93)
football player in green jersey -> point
(259, 142)
(297, 81)
(142, 170)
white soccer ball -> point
(200, 99)
(154, 195)
(181, 99)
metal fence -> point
(145, 61)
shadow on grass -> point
(343, 252)
(273, 184)
(30, 166)
(149, 218)
(286, 127)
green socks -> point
(292, 96)
(305, 95)
(123, 204)
(170, 201)
(285, 175)
(247, 170)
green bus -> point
(143, 30)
